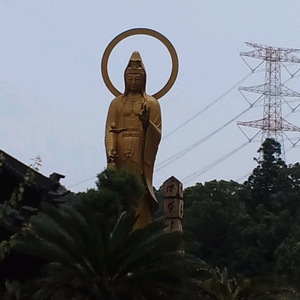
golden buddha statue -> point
(133, 132)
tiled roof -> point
(19, 170)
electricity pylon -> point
(272, 125)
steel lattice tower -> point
(272, 125)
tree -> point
(90, 258)
(273, 203)
(249, 228)
(214, 215)
(269, 178)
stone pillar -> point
(173, 204)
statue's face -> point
(134, 82)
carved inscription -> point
(173, 208)
(174, 225)
(173, 188)
(173, 204)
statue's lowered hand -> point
(111, 156)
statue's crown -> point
(135, 64)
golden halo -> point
(136, 31)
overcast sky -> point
(54, 101)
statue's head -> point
(135, 75)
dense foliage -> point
(253, 228)
(91, 251)
(248, 235)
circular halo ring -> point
(144, 31)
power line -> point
(206, 107)
(176, 156)
(190, 148)
(248, 174)
(83, 181)
(243, 177)
(170, 100)
(184, 123)
(213, 164)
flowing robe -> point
(135, 146)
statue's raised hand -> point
(144, 116)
